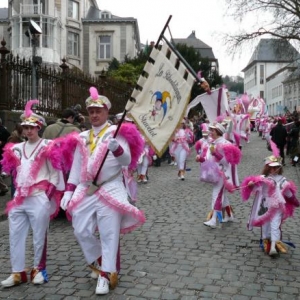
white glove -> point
(66, 199)
(112, 144)
(154, 157)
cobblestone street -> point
(173, 255)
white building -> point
(270, 64)
(77, 30)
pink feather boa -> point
(232, 153)
(258, 180)
(291, 202)
(247, 190)
(106, 198)
(61, 151)
(9, 160)
(136, 143)
(271, 212)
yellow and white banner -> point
(162, 98)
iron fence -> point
(57, 88)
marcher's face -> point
(213, 133)
(274, 170)
(31, 132)
(98, 115)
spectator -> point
(4, 135)
(17, 135)
(279, 137)
(62, 126)
(293, 136)
(15, 138)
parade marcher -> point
(180, 149)
(36, 183)
(202, 145)
(63, 126)
(107, 208)
(144, 162)
(275, 201)
(224, 156)
(4, 136)
(16, 137)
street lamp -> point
(33, 32)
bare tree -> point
(275, 18)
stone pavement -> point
(173, 255)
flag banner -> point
(161, 97)
(214, 104)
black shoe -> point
(3, 192)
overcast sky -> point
(206, 17)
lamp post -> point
(33, 32)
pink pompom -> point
(274, 148)
(28, 111)
(94, 93)
(220, 118)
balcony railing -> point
(31, 9)
(28, 9)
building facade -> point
(77, 30)
(271, 63)
(205, 50)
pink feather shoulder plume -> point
(94, 93)
(28, 106)
(220, 118)
(274, 148)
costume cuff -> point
(118, 152)
(51, 190)
(70, 187)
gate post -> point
(64, 96)
(4, 99)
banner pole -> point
(163, 31)
(183, 60)
(94, 183)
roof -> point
(3, 13)
(272, 50)
(192, 41)
(294, 76)
(93, 15)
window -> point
(261, 94)
(73, 10)
(48, 32)
(105, 15)
(73, 44)
(261, 74)
(104, 49)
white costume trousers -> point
(226, 201)
(143, 167)
(180, 156)
(218, 193)
(272, 229)
(86, 218)
(34, 212)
